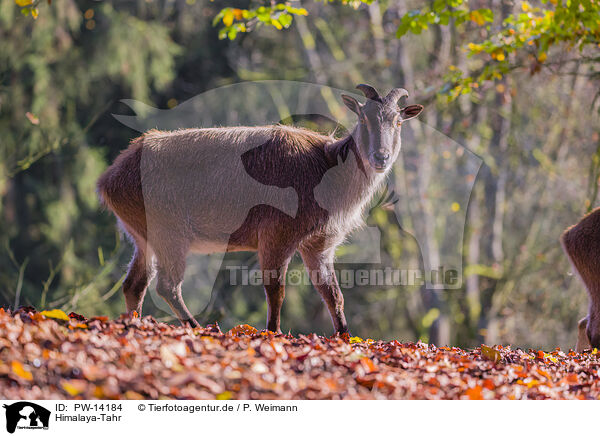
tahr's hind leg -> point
(139, 275)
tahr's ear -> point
(411, 111)
(351, 103)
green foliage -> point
(519, 38)
(441, 12)
(278, 15)
(575, 22)
(527, 38)
(236, 20)
(30, 7)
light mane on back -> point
(298, 139)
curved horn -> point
(395, 95)
(369, 91)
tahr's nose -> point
(381, 157)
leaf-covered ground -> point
(49, 355)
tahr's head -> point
(379, 121)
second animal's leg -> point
(583, 341)
(319, 265)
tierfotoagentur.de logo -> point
(25, 415)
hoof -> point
(190, 323)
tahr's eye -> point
(399, 123)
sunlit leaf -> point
(228, 18)
(224, 396)
(55, 314)
(243, 329)
(474, 393)
(491, 354)
(73, 388)
(19, 370)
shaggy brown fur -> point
(581, 243)
(272, 189)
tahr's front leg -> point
(319, 265)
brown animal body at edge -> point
(581, 243)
